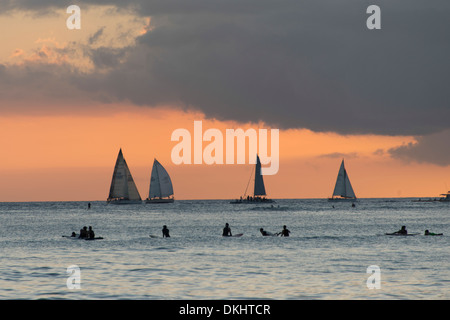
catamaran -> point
(343, 189)
(123, 189)
(161, 189)
(259, 191)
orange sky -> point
(72, 157)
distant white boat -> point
(161, 189)
(343, 189)
(259, 191)
(123, 189)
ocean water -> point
(326, 256)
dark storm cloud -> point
(291, 64)
(433, 148)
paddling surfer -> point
(428, 233)
(265, 233)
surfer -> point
(428, 233)
(90, 233)
(226, 231)
(83, 233)
(402, 231)
(285, 232)
(265, 233)
(165, 232)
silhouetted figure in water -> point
(428, 233)
(165, 232)
(226, 231)
(83, 233)
(285, 232)
(265, 233)
(402, 230)
(90, 233)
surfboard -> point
(70, 237)
(76, 238)
(400, 234)
(234, 235)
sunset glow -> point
(72, 157)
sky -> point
(138, 70)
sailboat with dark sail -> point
(343, 188)
(161, 189)
(259, 191)
(123, 189)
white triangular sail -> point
(259, 190)
(122, 184)
(160, 183)
(343, 186)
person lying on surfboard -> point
(266, 233)
(428, 233)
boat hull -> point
(252, 202)
(342, 199)
(159, 200)
(124, 201)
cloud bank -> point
(290, 64)
(433, 148)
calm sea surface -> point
(326, 256)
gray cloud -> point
(96, 36)
(433, 148)
(291, 64)
(104, 57)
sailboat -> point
(343, 189)
(161, 189)
(259, 191)
(123, 189)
